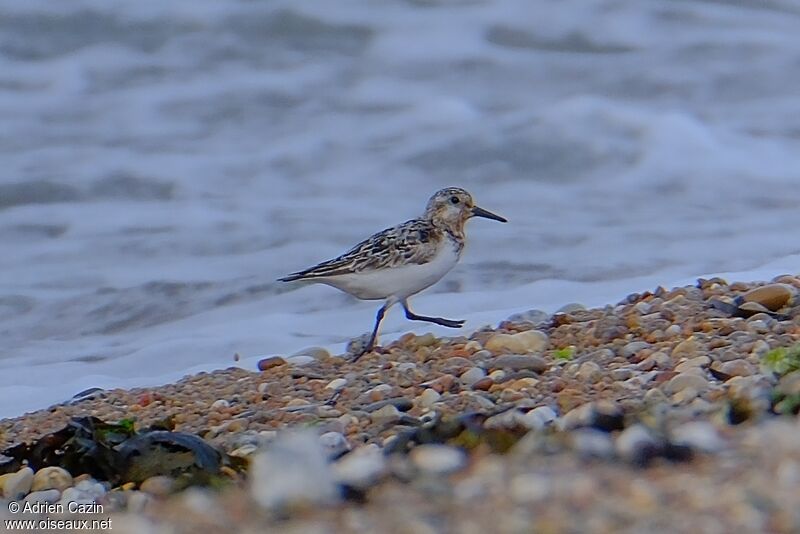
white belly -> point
(401, 281)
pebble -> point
(336, 384)
(538, 418)
(472, 375)
(572, 307)
(656, 360)
(529, 488)
(497, 376)
(220, 404)
(137, 501)
(437, 459)
(736, 368)
(517, 362)
(292, 470)
(428, 398)
(687, 380)
(361, 468)
(760, 347)
(158, 486)
(386, 415)
(86, 491)
(443, 383)
(406, 367)
(633, 348)
(685, 349)
(522, 342)
(16, 485)
(51, 478)
(621, 374)
(269, 363)
(300, 360)
(244, 451)
(589, 372)
(602, 415)
(426, 340)
(592, 443)
(699, 361)
(334, 443)
(699, 435)
(473, 346)
(484, 384)
(636, 444)
(316, 353)
(684, 396)
(655, 397)
(43, 496)
(672, 331)
(530, 316)
(772, 296)
(401, 403)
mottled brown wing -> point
(409, 242)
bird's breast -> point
(400, 281)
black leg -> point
(451, 323)
(371, 344)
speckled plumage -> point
(405, 259)
(414, 241)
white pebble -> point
(437, 459)
(336, 384)
(18, 484)
(539, 418)
(292, 470)
(428, 398)
(219, 404)
(472, 375)
(361, 468)
(334, 443)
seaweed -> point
(117, 453)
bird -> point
(398, 262)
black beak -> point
(480, 212)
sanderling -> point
(403, 260)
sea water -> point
(164, 163)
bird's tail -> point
(291, 277)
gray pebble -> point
(571, 308)
(43, 496)
(334, 443)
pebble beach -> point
(671, 411)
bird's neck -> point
(453, 230)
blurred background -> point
(164, 162)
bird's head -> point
(453, 206)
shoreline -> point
(603, 414)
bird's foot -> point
(451, 323)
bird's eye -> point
(454, 200)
